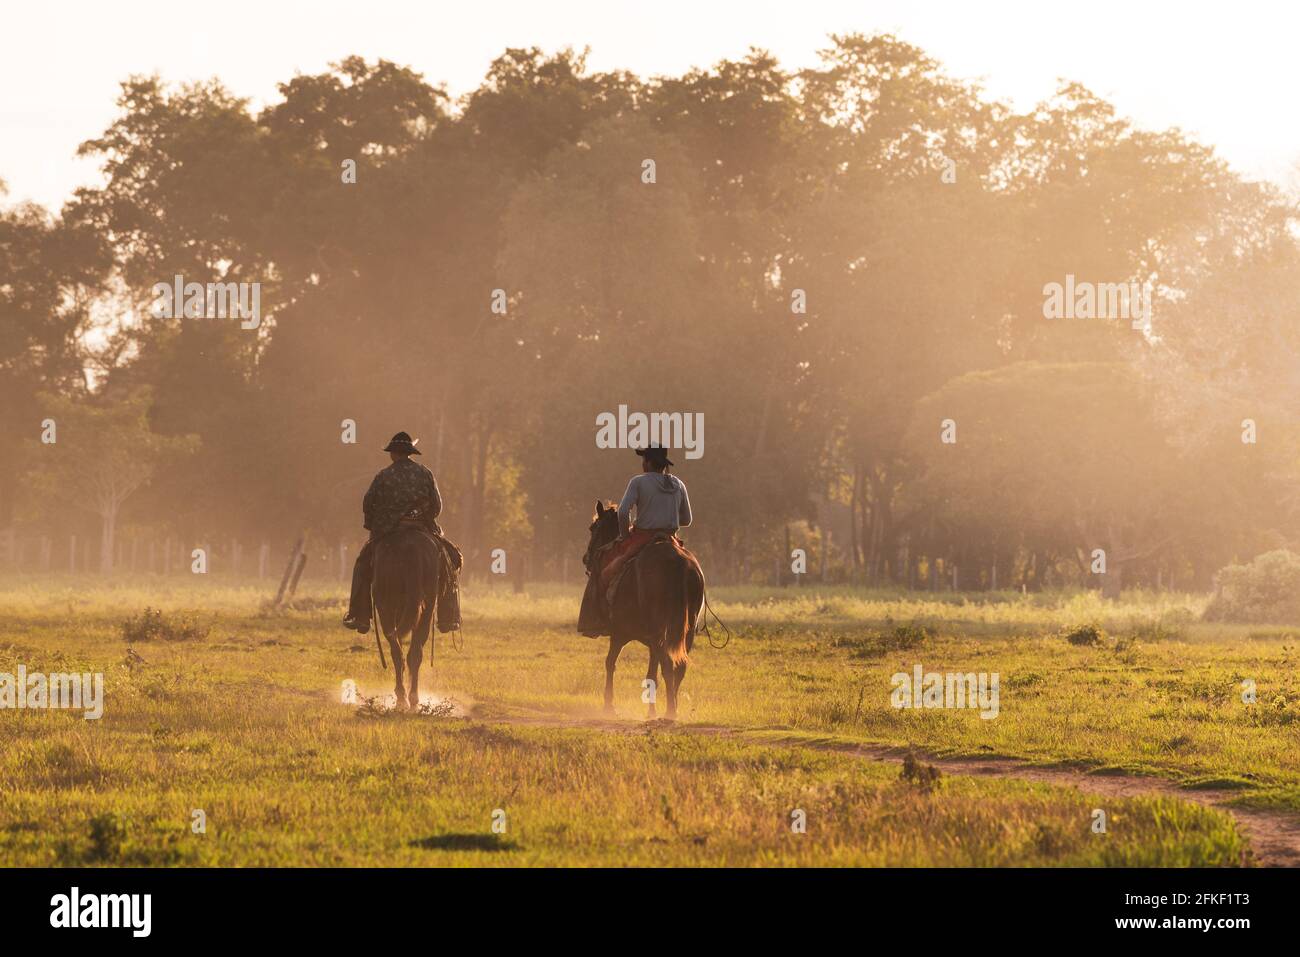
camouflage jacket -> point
(405, 488)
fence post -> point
(288, 569)
(302, 563)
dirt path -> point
(1274, 835)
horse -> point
(656, 603)
(406, 580)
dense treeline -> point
(842, 269)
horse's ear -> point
(600, 507)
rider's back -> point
(660, 501)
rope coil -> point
(708, 610)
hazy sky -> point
(1226, 72)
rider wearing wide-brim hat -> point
(403, 444)
(403, 491)
(655, 505)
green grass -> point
(246, 724)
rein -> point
(589, 559)
(457, 638)
(708, 610)
(374, 613)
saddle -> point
(450, 552)
(612, 574)
(605, 577)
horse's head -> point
(604, 529)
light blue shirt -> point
(659, 501)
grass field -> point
(247, 724)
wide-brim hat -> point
(402, 442)
(656, 453)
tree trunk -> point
(1112, 582)
(109, 527)
(855, 543)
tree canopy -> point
(825, 264)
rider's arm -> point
(368, 503)
(435, 506)
(625, 508)
(684, 507)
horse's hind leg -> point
(611, 659)
(670, 684)
(399, 685)
(652, 689)
(421, 635)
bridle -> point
(594, 545)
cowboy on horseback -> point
(643, 584)
(659, 502)
(654, 506)
(403, 494)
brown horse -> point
(657, 603)
(407, 569)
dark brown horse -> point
(407, 569)
(657, 603)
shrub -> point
(907, 636)
(153, 625)
(1089, 634)
(107, 834)
(924, 777)
(1264, 591)
(875, 643)
(1153, 630)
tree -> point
(49, 272)
(101, 454)
(1066, 457)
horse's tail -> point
(679, 615)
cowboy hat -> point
(402, 442)
(656, 453)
